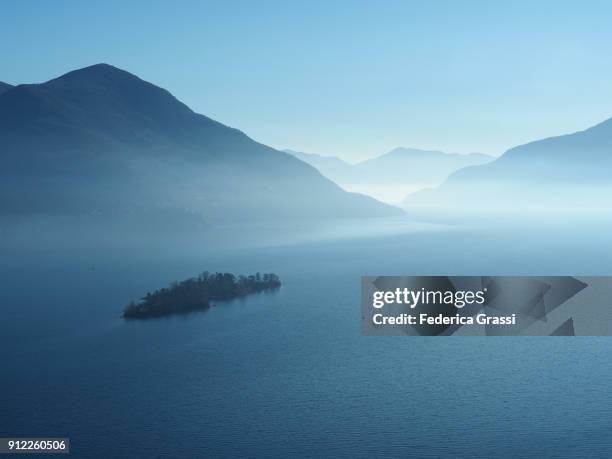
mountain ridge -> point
(536, 171)
(421, 153)
(76, 135)
(394, 174)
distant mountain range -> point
(102, 141)
(330, 166)
(394, 174)
(563, 172)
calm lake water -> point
(288, 373)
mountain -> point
(328, 165)
(101, 140)
(418, 166)
(567, 171)
(4, 87)
(391, 176)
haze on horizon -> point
(350, 79)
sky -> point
(347, 78)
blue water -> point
(288, 373)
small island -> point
(197, 292)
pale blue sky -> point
(348, 78)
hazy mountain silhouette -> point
(563, 171)
(411, 164)
(4, 87)
(330, 166)
(102, 140)
(393, 174)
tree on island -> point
(197, 292)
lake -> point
(289, 373)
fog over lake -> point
(289, 373)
